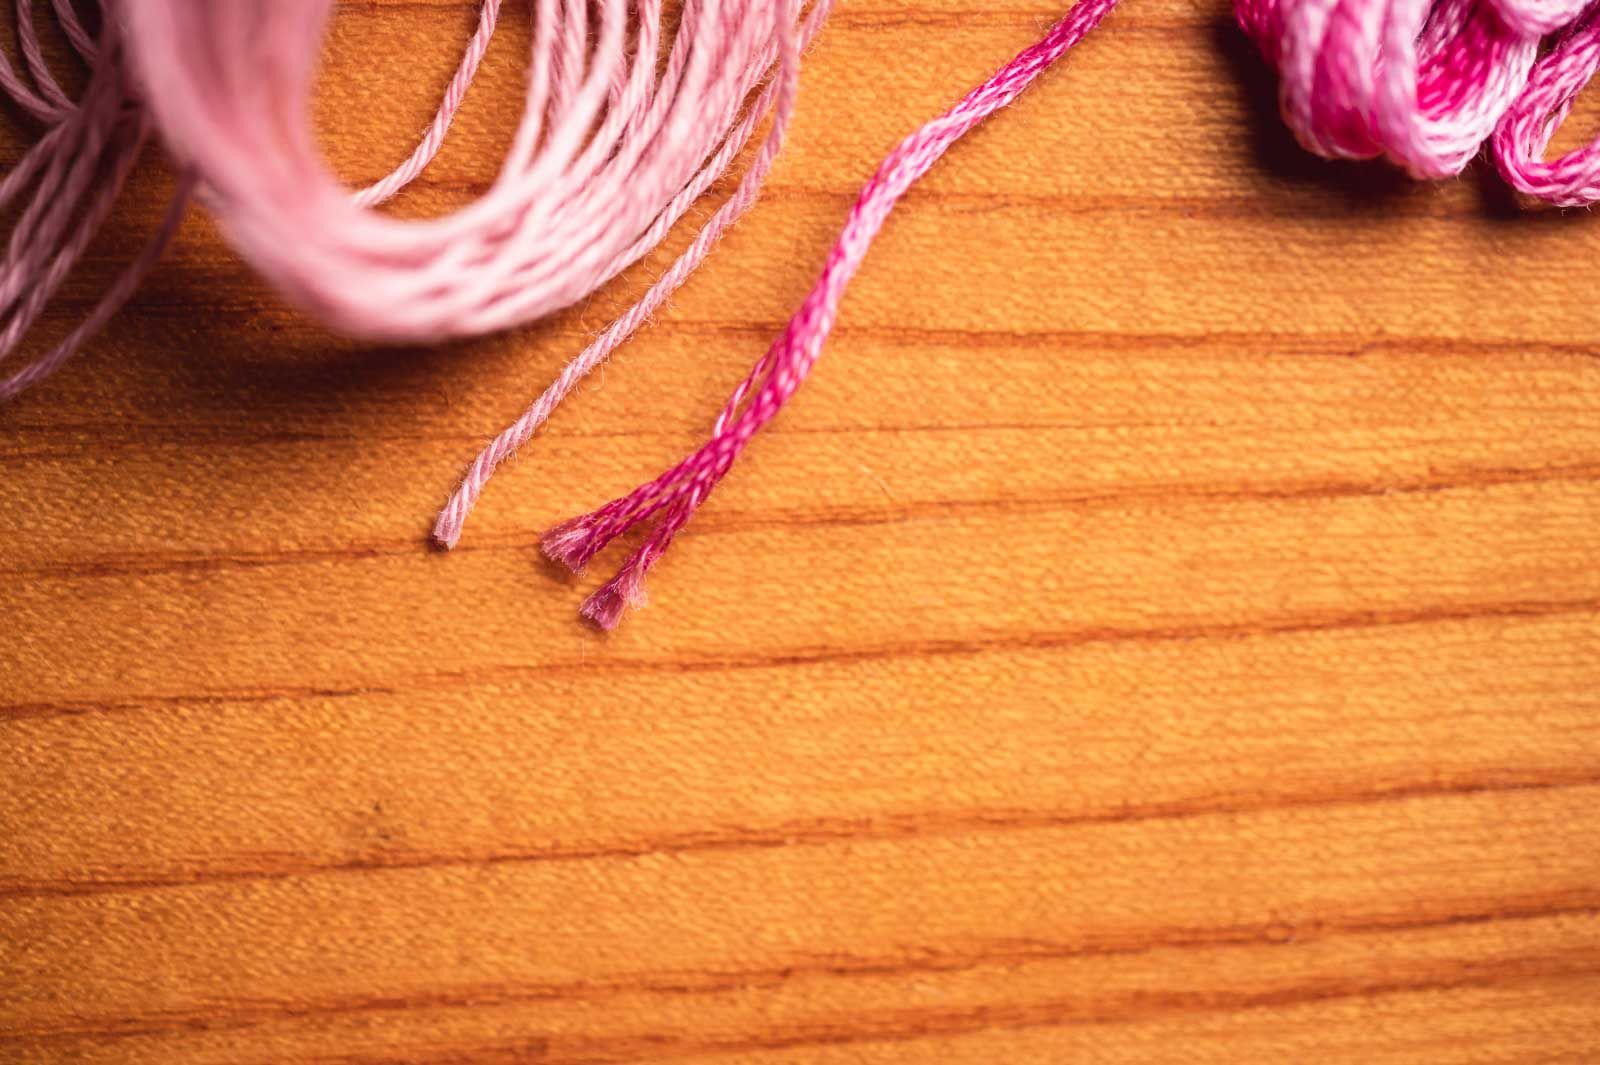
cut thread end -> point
(606, 606)
(573, 542)
(446, 532)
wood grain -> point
(1166, 629)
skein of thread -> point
(1426, 84)
(611, 151)
(608, 154)
(671, 499)
(75, 172)
(1423, 85)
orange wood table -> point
(1165, 630)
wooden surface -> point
(1166, 629)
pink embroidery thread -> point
(613, 147)
(1425, 83)
(611, 151)
(76, 171)
(671, 499)
(1419, 82)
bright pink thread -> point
(671, 499)
(615, 145)
(777, 99)
(1425, 83)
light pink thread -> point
(455, 94)
(1426, 82)
(606, 145)
(612, 151)
(79, 167)
(75, 171)
(779, 99)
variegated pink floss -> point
(1426, 83)
(447, 529)
(611, 151)
(671, 499)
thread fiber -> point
(1426, 84)
(611, 150)
(672, 498)
(626, 122)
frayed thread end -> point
(607, 605)
(447, 531)
(573, 542)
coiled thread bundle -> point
(1426, 84)
(626, 122)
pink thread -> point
(777, 98)
(672, 498)
(611, 151)
(75, 171)
(598, 165)
(101, 136)
(1422, 83)
(1573, 180)
(614, 146)
(1425, 83)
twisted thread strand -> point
(626, 122)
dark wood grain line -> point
(1267, 202)
(179, 435)
(160, 300)
(153, 436)
(725, 522)
(930, 959)
(916, 1025)
(1275, 343)
(1066, 640)
(74, 441)
(129, 703)
(1034, 18)
(821, 832)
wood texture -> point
(1167, 628)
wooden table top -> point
(1165, 629)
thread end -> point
(446, 531)
(572, 543)
(606, 606)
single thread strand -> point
(672, 498)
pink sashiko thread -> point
(612, 149)
(1425, 83)
(79, 166)
(76, 171)
(615, 143)
(671, 499)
